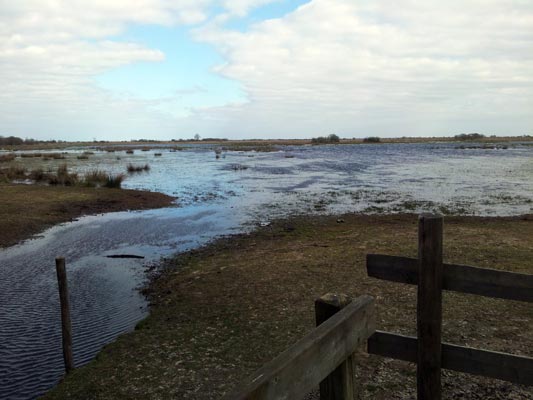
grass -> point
(29, 209)
(221, 312)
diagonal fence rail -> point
(296, 371)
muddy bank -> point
(220, 312)
(29, 209)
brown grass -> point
(29, 209)
(221, 312)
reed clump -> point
(137, 168)
(12, 173)
(7, 157)
(63, 177)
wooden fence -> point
(325, 355)
(432, 276)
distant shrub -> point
(372, 139)
(326, 139)
(469, 136)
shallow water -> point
(215, 199)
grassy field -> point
(28, 209)
(221, 312)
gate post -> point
(429, 307)
(339, 385)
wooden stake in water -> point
(66, 328)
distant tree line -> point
(469, 136)
(326, 139)
(16, 141)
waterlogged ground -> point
(218, 196)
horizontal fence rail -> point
(296, 371)
(507, 367)
(458, 278)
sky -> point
(242, 69)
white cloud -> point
(386, 67)
(353, 68)
(50, 51)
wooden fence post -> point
(339, 385)
(429, 307)
(66, 328)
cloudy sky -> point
(123, 69)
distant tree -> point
(372, 139)
(326, 139)
(334, 138)
(197, 137)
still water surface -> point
(218, 197)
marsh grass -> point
(7, 157)
(97, 178)
(137, 168)
(30, 155)
(54, 156)
(12, 173)
(63, 177)
(114, 181)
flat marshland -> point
(221, 312)
(222, 307)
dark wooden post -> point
(429, 306)
(66, 328)
(339, 385)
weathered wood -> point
(491, 364)
(66, 327)
(429, 307)
(458, 278)
(339, 385)
(296, 371)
